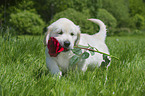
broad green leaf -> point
(73, 60)
(77, 51)
(92, 53)
(106, 60)
(104, 57)
(85, 55)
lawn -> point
(23, 70)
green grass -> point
(23, 70)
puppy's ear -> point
(78, 36)
(77, 40)
(46, 37)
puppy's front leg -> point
(52, 66)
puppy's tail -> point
(102, 31)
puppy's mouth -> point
(65, 49)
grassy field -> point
(23, 70)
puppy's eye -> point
(60, 33)
(72, 34)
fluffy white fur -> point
(71, 33)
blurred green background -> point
(122, 17)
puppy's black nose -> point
(66, 43)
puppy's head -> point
(65, 31)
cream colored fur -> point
(59, 64)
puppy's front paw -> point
(60, 74)
(57, 75)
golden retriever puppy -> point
(68, 35)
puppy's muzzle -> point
(66, 44)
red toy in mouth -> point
(54, 47)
